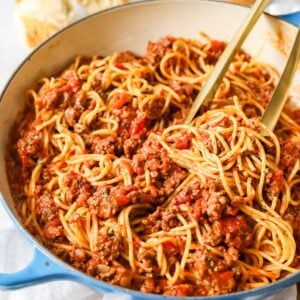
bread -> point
(39, 19)
(93, 6)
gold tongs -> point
(273, 110)
(272, 113)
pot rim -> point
(78, 275)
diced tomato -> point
(81, 202)
(170, 248)
(183, 142)
(73, 82)
(55, 222)
(24, 160)
(167, 244)
(138, 126)
(73, 174)
(233, 224)
(197, 210)
(122, 200)
(216, 46)
(183, 199)
(119, 100)
(120, 66)
(85, 188)
(277, 181)
(136, 243)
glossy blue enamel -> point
(293, 18)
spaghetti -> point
(104, 172)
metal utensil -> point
(209, 90)
(273, 110)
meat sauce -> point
(208, 204)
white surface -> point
(14, 251)
(279, 7)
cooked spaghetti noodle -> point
(104, 172)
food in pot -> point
(106, 175)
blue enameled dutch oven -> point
(130, 27)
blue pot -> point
(123, 28)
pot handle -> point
(293, 18)
(43, 269)
(39, 270)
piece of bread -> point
(38, 19)
(246, 2)
(93, 6)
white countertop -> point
(15, 253)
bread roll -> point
(38, 19)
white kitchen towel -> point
(283, 7)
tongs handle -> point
(274, 108)
(211, 86)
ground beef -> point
(165, 175)
(147, 257)
(292, 216)
(148, 285)
(102, 204)
(153, 108)
(125, 195)
(114, 274)
(290, 152)
(154, 175)
(233, 231)
(29, 146)
(78, 103)
(46, 209)
(70, 116)
(124, 117)
(124, 57)
(62, 95)
(77, 187)
(123, 277)
(161, 219)
(190, 192)
(274, 184)
(182, 88)
(54, 98)
(132, 131)
(295, 114)
(103, 145)
(180, 290)
(109, 243)
(215, 51)
(78, 255)
(213, 202)
(216, 275)
(131, 145)
(222, 283)
(156, 50)
(53, 229)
